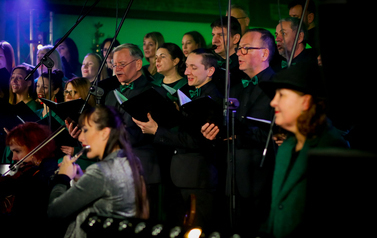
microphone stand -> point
(230, 156)
(288, 65)
(94, 88)
(49, 63)
(61, 40)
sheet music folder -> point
(13, 115)
(162, 110)
(64, 138)
(70, 109)
(202, 110)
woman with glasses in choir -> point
(77, 88)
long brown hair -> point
(313, 121)
(103, 117)
(82, 86)
(9, 55)
(31, 90)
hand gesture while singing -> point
(149, 127)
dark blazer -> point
(142, 144)
(288, 204)
(252, 182)
(220, 73)
(192, 162)
(108, 85)
(251, 137)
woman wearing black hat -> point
(298, 100)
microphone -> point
(96, 91)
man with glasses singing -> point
(127, 66)
(253, 182)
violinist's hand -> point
(210, 131)
(149, 127)
(79, 173)
(6, 130)
(68, 167)
(74, 132)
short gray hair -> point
(134, 50)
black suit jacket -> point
(220, 73)
(251, 180)
(142, 144)
(192, 164)
(108, 85)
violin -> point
(14, 168)
(8, 181)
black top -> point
(108, 85)
(307, 55)
(30, 187)
(236, 74)
(254, 103)
(140, 85)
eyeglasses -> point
(122, 65)
(72, 93)
(245, 50)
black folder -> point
(13, 115)
(162, 110)
(70, 109)
(64, 138)
(202, 110)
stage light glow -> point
(194, 233)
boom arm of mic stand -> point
(95, 82)
(62, 39)
(289, 64)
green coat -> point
(289, 184)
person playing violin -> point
(24, 196)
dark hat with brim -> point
(304, 77)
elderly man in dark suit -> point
(127, 64)
(252, 182)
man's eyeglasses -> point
(122, 65)
(245, 50)
(72, 93)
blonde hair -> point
(158, 39)
(55, 56)
(103, 74)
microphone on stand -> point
(97, 92)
